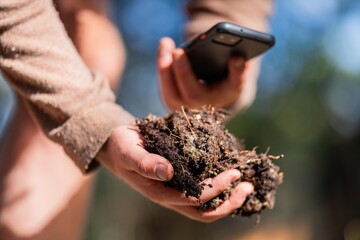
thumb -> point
(151, 165)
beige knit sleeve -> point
(203, 14)
(73, 106)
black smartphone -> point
(209, 52)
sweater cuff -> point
(83, 135)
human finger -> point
(125, 147)
(237, 198)
(168, 86)
(215, 186)
(157, 191)
(149, 165)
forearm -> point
(73, 106)
(95, 37)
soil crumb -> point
(198, 146)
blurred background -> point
(307, 108)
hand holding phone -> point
(209, 52)
(209, 57)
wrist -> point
(103, 157)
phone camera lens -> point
(226, 39)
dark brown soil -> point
(198, 146)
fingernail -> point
(248, 187)
(235, 175)
(161, 172)
(166, 56)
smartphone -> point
(209, 52)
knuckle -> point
(142, 168)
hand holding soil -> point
(199, 147)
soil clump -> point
(198, 146)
